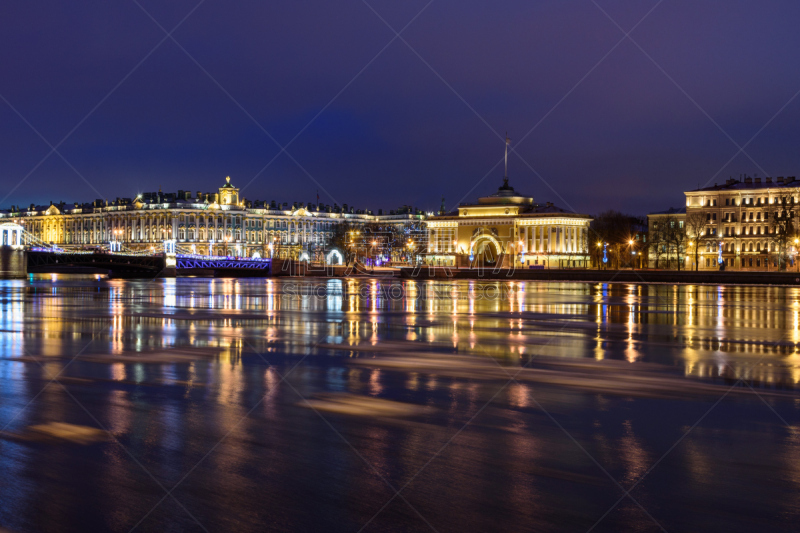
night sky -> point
(597, 121)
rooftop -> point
(749, 183)
(671, 211)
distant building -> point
(508, 229)
(220, 223)
(749, 224)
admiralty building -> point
(218, 223)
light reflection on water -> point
(513, 469)
(707, 331)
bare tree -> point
(616, 229)
(699, 233)
(783, 229)
(674, 238)
(658, 241)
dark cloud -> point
(632, 135)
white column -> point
(567, 239)
(548, 230)
(572, 239)
(555, 240)
(540, 247)
(525, 239)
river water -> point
(386, 405)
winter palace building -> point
(219, 223)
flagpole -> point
(505, 172)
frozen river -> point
(385, 405)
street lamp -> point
(633, 252)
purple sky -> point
(630, 133)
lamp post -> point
(633, 252)
(599, 245)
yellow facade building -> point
(508, 229)
(220, 223)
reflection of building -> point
(207, 223)
(509, 229)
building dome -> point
(506, 195)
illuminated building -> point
(220, 223)
(748, 224)
(509, 229)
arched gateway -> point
(485, 249)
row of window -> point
(671, 224)
(763, 200)
(747, 262)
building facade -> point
(748, 224)
(220, 223)
(508, 229)
(667, 244)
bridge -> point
(189, 262)
(24, 253)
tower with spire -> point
(228, 194)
